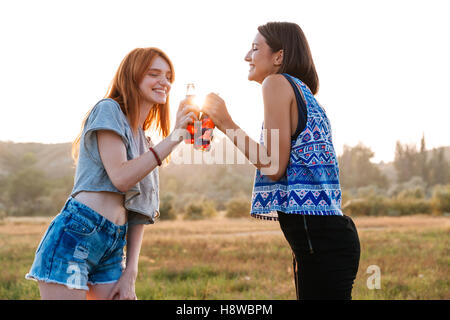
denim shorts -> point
(79, 247)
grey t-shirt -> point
(142, 200)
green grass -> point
(212, 259)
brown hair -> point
(297, 58)
(125, 90)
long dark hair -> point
(297, 58)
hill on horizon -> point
(56, 161)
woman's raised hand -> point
(187, 113)
(214, 106)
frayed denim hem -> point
(106, 282)
(31, 277)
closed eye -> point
(159, 73)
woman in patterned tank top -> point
(297, 173)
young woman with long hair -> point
(297, 173)
(116, 186)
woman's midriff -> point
(108, 204)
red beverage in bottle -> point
(203, 141)
(190, 134)
(191, 128)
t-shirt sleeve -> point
(106, 115)
(135, 218)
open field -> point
(246, 258)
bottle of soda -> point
(191, 128)
(203, 143)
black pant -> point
(326, 254)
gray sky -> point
(383, 65)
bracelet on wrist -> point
(156, 156)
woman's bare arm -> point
(123, 173)
(135, 235)
(271, 158)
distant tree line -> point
(418, 181)
(434, 168)
(200, 191)
(27, 191)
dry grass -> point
(247, 258)
(221, 224)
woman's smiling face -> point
(261, 59)
(155, 85)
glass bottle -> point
(191, 130)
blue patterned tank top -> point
(310, 185)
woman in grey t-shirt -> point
(116, 187)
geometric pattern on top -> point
(310, 185)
